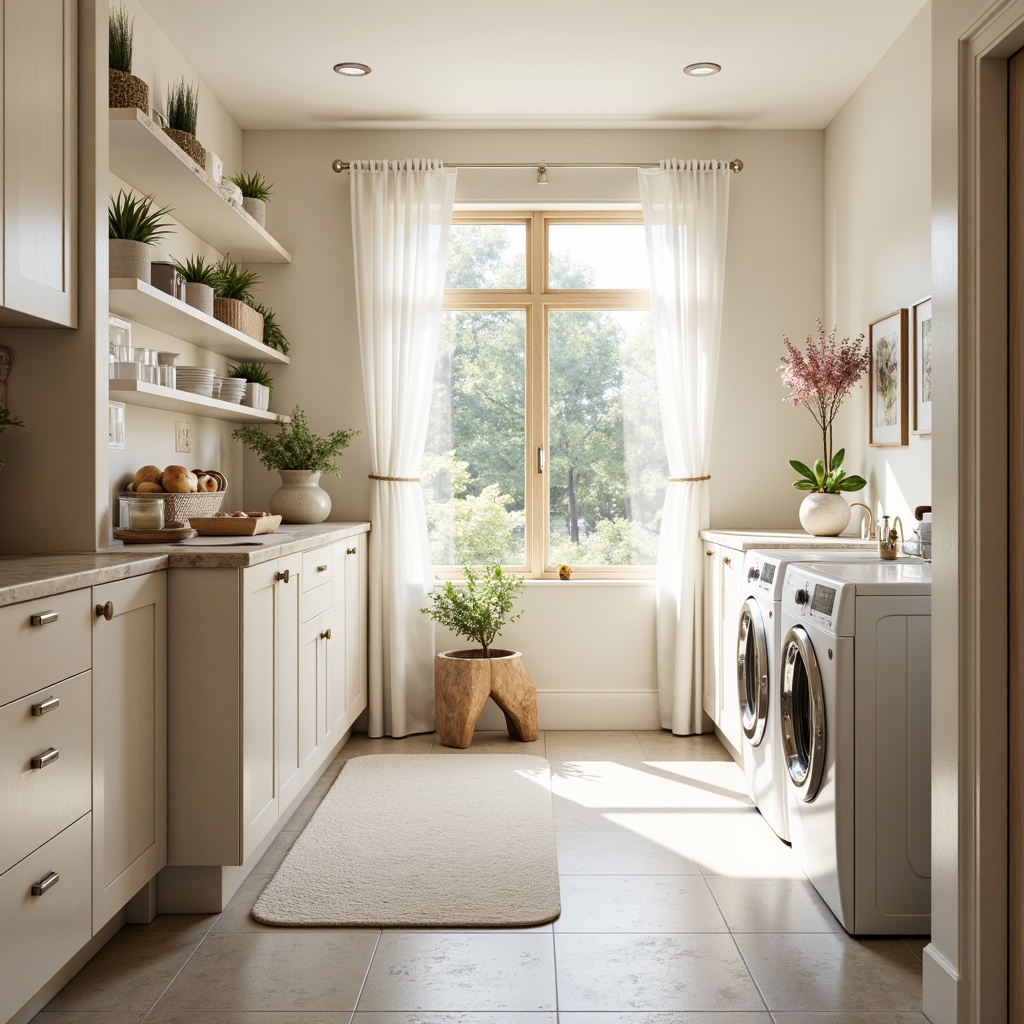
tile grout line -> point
(177, 973)
(366, 975)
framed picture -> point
(921, 328)
(887, 387)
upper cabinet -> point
(39, 167)
(143, 155)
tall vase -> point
(300, 498)
(824, 515)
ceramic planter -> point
(200, 296)
(300, 498)
(824, 515)
(256, 208)
(130, 259)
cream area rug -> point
(442, 840)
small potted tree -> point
(134, 225)
(257, 394)
(232, 293)
(200, 278)
(464, 679)
(300, 456)
(255, 191)
(125, 89)
(183, 119)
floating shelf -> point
(143, 155)
(153, 396)
(147, 305)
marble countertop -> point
(746, 540)
(28, 577)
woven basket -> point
(190, 144)
(128, 91)
(179, 508)
(242, 317)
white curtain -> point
(401, 216)
(686, 209)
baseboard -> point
(596, 710)
(943, 988)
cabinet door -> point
(129, 739)
(40, 159)
(313, 653)
(355, 627)
(729, 701)
(712, 629)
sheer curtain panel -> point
(401, 217)
(686, 212)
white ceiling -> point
(533, 63)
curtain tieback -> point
(688, 479)
(395, 479)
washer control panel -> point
(816, 599)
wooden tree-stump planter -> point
(463, 680)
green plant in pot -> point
(463, 680)
(273, 336)
(125, 89)
(256, 190)
(300, 456)
(183, 118)
(200, 278)
(232, 301)
(134, 224)
(257, 394)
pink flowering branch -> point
(822, 377)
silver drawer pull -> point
(44, 618)
(45, 884)
(321, 568)
(50, 704)
(45, 758)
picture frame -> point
(921, 331)
(887, 380)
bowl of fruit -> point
(185, 492)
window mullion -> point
(536, 411)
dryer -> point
(759, 642)
(855, 716)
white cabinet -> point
(350, 600)
(39, 186)
(723, 568)
(129, 739)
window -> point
(545, 444)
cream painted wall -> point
(878, 244)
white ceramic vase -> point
(256, 208)
(824, 515)
(300, 498)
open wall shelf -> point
(153, 396)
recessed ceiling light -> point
(701, 70)
(352, 69)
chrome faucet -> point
(870, 535)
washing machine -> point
(759, 641)
(856, 722)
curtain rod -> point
(542, 166)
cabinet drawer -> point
(39, 802)
(317, 568)
(42, 932)
(44, 642)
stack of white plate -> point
(232, 389)
(198, 380)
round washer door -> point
(803, 714)
(752, 672)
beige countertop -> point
(746, 540)
(28, 577)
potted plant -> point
(299, 456)
(200, 278)
(464, 679)
(232, 293)
(257, 394)
(134, 225)
(183, 118)
(255, 192)
(820, 380)
(125, 89)
(7, 420)
(273, 336)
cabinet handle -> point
(709, 553)
(50, 704)
(321, 568)
(45, 884)
(325, 635)
(350, 551)
(45, 758)
(727, 560)
(105, 611)
(43, 618)
(284, 577)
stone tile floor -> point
(679, 906)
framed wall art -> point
(887, 386)
(921, 330)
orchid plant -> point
(820, 379)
